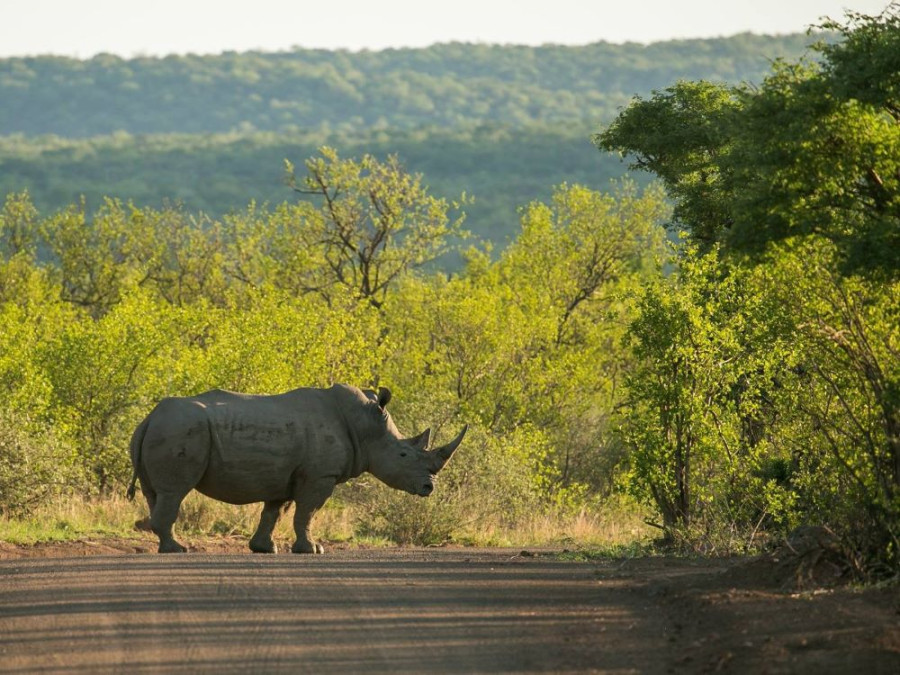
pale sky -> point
(82, 28)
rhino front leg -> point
(262, 539)
(309, 498)
(162, 517)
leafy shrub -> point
(490, 482)
(34, 465)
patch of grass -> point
(202, 516)
(635, 549)
(69, 518)
(616, 523)
(334, 523)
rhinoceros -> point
(296, 446)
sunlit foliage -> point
(769, 379)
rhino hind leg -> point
(162, 517)
(149, 495)
(261, 542)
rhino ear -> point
(384, 396)
(421, 441)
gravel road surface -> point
(89, 607)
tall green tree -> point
(680, 135)
(813, 151)
(20, 280)
(375, 222)
(533, 338)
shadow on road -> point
(357, 611)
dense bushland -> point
(500, 168)
(106, 312)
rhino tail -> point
(137, 440)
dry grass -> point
(69, 518)
(614, 525)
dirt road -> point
(426, 610)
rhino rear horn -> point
(421, 441)
(440, 456)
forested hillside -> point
(502, 123)
(446, 85)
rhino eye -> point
(403, 454)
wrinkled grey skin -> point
(294, 446)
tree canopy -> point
(813, 150)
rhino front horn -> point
(439, 456)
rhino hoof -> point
(171, 547)
(263, 548)
(307, 548)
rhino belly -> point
(250, 477)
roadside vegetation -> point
(719, 387)
(618, 528)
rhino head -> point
(406, 463)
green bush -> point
(490, 482)
(35, 465)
